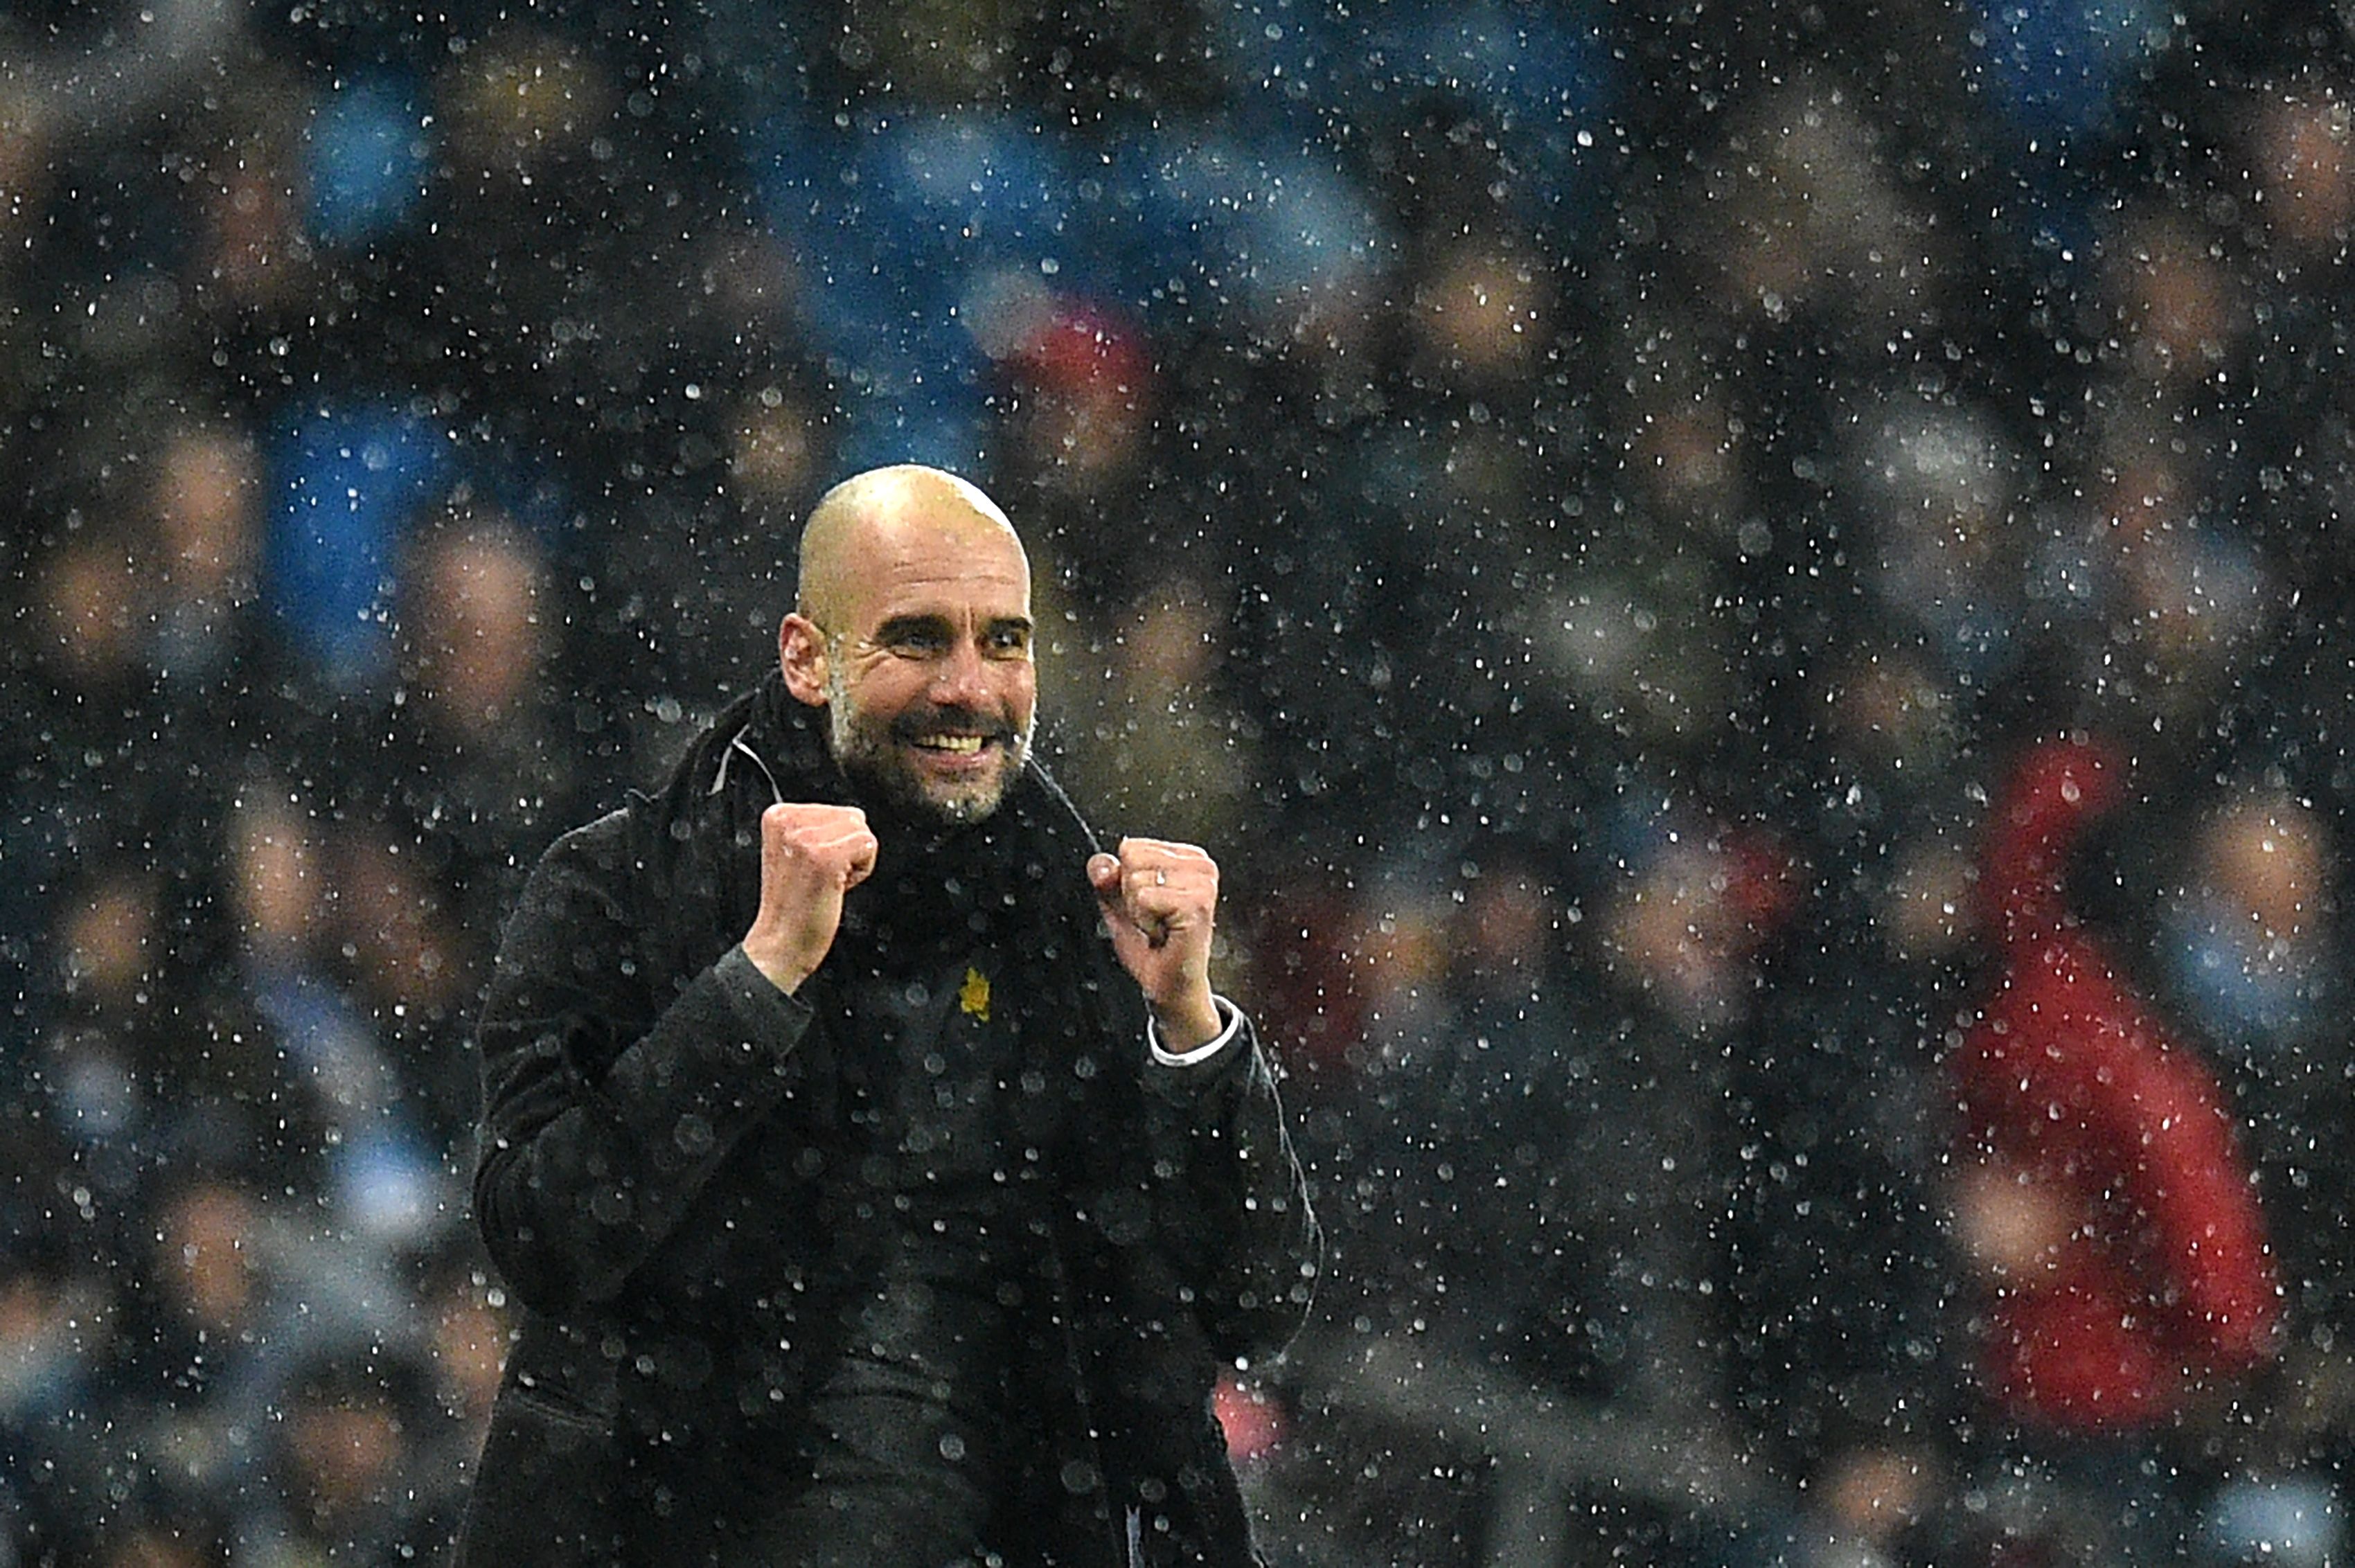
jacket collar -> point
(768, 746)
(779, 741)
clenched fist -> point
(810, 856)
(1161, 901)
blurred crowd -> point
(1585, 507)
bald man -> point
(881, 1178)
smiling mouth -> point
(950, 734)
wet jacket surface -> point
(688, 1178)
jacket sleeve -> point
(2181, 1168)
(1234, 1210)
(610, 1095)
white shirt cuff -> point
(1224, 1037)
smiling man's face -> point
(920, 651)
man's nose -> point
(961, 679)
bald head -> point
(865, 517)
(913, 630)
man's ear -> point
(801, 654)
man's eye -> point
(1009, 643)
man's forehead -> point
(957, 597)
(959, 572)
(915, 540)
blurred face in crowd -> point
(276, 879)
(111, 934)
(2304, 154)
(481, 642)
(207, 505)
(345, 1447)
(2267, 858)
(208, 1258)
(914, 634)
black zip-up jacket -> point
(673, 1150)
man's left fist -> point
(1161, 902)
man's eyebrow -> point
(907, 625)
(1011, 623)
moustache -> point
(913, 726)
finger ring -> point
(1161, 878)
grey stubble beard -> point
(867, 753)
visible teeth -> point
(952, 743)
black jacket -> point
(667, 1142)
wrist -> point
(1183, 1026)
(782, 973)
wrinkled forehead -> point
(954, 564)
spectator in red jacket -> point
(2104, 1191)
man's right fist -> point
(810, 856)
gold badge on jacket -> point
(973, 996)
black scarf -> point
(1016, 878)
